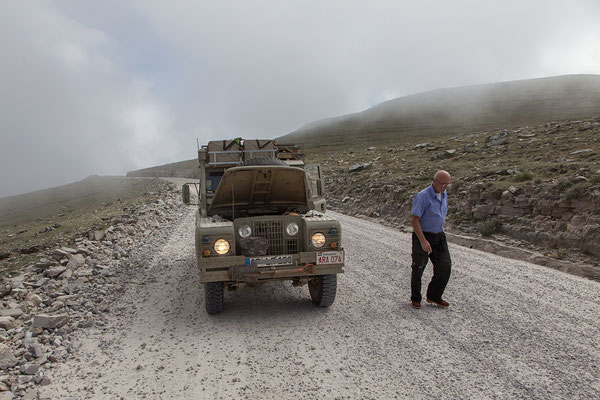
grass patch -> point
(489, 227)
(523, 176)
(578, 191)
(565, 184)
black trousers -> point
(440, 258)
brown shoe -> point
(439, 303)
(416, 304)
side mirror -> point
(185, 193)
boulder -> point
(7, 323)
(509, 211)
(496, 140)
(8, 395)
(13, 312)
(54, 272)
(7, 358)
(97, 235)
(76, 261)
(359, 167)
(29, 369)
(49, 321)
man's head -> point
(441, 180)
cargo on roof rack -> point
(234, 152)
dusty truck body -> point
(261, 217)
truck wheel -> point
(322, 290)
(213, 297)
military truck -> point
(261, 217)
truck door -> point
(316, 189)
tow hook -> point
(308, 269)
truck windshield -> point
(212, 180)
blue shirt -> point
(431, 211)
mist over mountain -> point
(491, 105)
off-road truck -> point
(261, 217)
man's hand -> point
(426, 246)
(419, 232)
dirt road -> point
(514, 330)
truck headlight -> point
(244, 231)
(318, 239)
(292, 229)
(221, 246)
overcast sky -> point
(110, 86)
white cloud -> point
(64, 103)
(101, 88)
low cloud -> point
(105, 88)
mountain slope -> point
(447, 111)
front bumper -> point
(253, 269)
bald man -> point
(429, 210)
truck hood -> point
(260, 187)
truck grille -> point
(272, 230)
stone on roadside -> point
(7, 323)
(34, 299)
(41, 282)
(49, 321)
(12, 312)
(76, 261)
(44, 263)
(584, 151)
(54, 272)
(59, 253)
(359, 167)
(67, 274)
(7, 358)
(29, 369)
(31, 344)
(97, 235)
(496, 140)
(5, 290)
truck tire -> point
(213, 297)
(322, 290)
(262, 161)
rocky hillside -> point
(539, 185)
(33, 222)
(182, 169)
(73, 283)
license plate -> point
(270, 261)
(330, 257)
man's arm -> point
(417, 228)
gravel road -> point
(513, 330)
